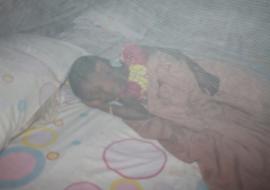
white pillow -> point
(132, 18)
(58, 55)
(25, 84)
(31, 70)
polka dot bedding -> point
(79, 148)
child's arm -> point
(130, 110)
(130, 113)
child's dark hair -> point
(80, 72)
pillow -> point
(31, 70)
(132, 18)
(58, 55)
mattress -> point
(79, 148)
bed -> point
(83, 148)
(50, 140)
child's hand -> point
(208, 83)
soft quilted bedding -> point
(78, 148)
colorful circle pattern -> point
(82, 186)
(22, 105)
(27, 137)
(53, 155)
(126, 184)
(8, 78)
(19, 166)
(135, 159)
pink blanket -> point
(228, 134)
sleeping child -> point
(97, 83)
(207, 112)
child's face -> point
(104, 85)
